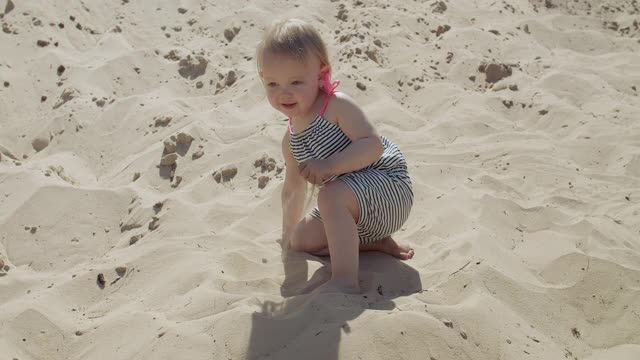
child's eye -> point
(272, 84)
(297, 82)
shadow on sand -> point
(308, 325)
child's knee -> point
(308, 235)
(337, 194)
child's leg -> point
(387, 245)
(340, 211)
(308, 235)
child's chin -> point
(290, 112)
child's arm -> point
(366, 146)
(293, 193)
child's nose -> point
(286, 91)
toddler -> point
(365, 191)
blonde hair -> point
(295, 38)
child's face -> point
(291, 85)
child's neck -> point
(314, 110)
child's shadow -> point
(307, 324)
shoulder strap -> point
(329, 88)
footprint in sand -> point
(40, 143)
(178, 180)
(3, 268)
(198, 154)
(192, 67)
(439, 7)
(266, 164)
(121, 270)
(135, 238)
(229, 34)
(176, 144)
(225, 174)
(155, 223)
(67, 95)
(263, 181)
(495, 72)
(183, 142)
(169, 159)
(229, 80)
(162, 120)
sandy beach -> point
(141, 173)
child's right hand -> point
(316, 171)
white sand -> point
(525, 223)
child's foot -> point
(386, 245)
(338, 286)
(391, 247)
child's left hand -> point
(316, 171)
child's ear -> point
(323, 70)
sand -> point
(140, 179)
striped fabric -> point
(383, 189)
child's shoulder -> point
(341, 105)
(343, 99)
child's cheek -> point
(271, 99)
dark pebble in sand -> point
(61, 70)
(495, 72)
(231, 78)
(575, 333)
(225, 174)
(121, 270)
(9, 6)
(262, 181)
(101, 281)
(442, 29)
(134, 239)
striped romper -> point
(383, 189)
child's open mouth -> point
(289, 106)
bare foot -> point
(391, 247)
(338, 286)
(386, 245)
